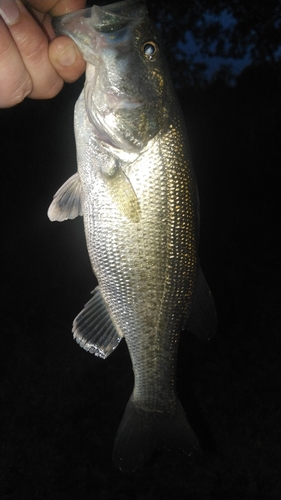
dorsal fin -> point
(202, 320)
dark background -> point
(61, 406)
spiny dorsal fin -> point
(68, 200)
(93, 328)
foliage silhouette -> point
(229, 29)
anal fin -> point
(93, 328)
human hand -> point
(33, 62)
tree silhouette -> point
(226, 28)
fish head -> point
(126, 87)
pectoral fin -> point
(202, 320)
(68, 201)
(122, 193)
(93, 328)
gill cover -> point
(125, 92)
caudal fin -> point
(142, 432)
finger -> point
(32, 44)
(64, 6)
(15, 82)
(54, 8)
(63, 52)
(57, 7)
(66, 58)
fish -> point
(136, 190)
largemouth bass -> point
(136, 190)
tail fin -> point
(142, 432)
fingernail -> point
(68, 56)
(9, 11)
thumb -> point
(66, 58)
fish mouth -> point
(86, 26)
(104, 19)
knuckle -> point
(16, 93)
(49, 89)
(34, 50)
(15, 81)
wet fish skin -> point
(136, 190)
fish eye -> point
(150, 50)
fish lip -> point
(105, 18)
(85, 24)
(59, 22)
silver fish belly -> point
(136, 190)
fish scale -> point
(137, 190)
